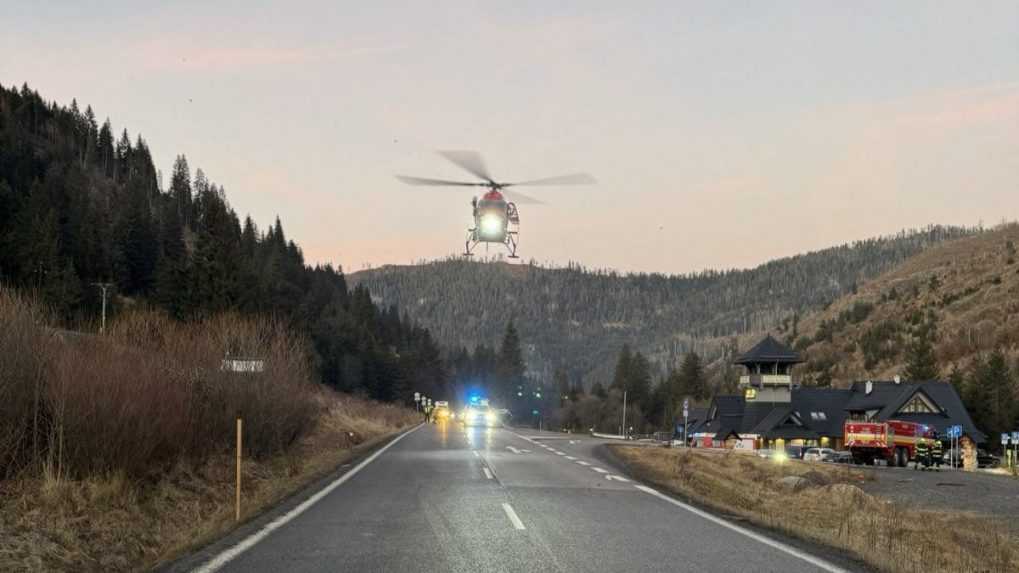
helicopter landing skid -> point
(472, 242)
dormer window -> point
(919, 404)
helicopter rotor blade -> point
(518, 197)
(437, 182)
(571, 179)
(469, 161)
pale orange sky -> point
(721, 135)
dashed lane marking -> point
(571, 458)
(611, 477)
(476, 454)
(583, 463)
(599, 470)
(512, 515)
(488, 473)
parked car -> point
(985, 459)
(795, 452)
(818, 454)
(840, 458)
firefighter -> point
(920, 455)
(936, 453)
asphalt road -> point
(442, 498)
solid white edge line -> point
(752, 535)
(248, 542)
(488, 473)
(512, 515)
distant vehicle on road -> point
(480, 417)
(818, 454)
(442, 411)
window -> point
(919, 404)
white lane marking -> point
(560, 454)
(583, 463)
(571, 458)
(488, 473)
(476, 454)
(831, 568)
(599, 470)
(517, 450)
(611, 477)
(512, 515)
(248, 542)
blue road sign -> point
(1004, 438)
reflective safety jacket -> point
(936, 449)
(921, 448)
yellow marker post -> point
(237, 512)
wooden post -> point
(237, 513)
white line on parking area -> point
(488, 473)
(512, 515)
(755, 536)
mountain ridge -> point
(576, 318)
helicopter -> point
(496, 217)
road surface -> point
(444, 498)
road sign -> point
(1015, 437)
(417, 396)
(1004, 438)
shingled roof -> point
(767, 351)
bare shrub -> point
(150, 393)
(25, 347)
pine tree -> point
(991, 395)
(561, 380)
(921, 364)
(510, 368)
(691, 379)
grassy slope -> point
(107, 523)
(976, 303)
(830, 510)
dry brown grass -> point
(831, 511)
(108, 522)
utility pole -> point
(623, 432)
(105, 287)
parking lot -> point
(956, 490)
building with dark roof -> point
(773, 411)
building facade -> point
(773, 411)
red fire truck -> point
(893, 441)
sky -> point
(721, 134)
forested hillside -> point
(577, 319)
(81, 205)
(949, 313)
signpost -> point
(686, 415)
(417, 401)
